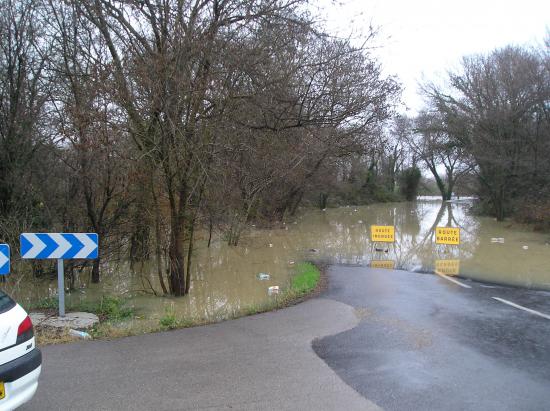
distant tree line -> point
(491, 120)
(151, 122)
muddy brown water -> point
(225, 278)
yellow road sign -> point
(447, 235)
(387, 264)
(447, 267)
(382, 233)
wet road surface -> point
(425, 343)
(261, 362)
(377, 339)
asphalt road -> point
(425, 343)
(381, 339)
(263, 362)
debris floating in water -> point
(263, 276)
(525, 247)
(274, 289)
(270, 245)
(313, 250)
(360, 221)
(497, 240)
(291, 262)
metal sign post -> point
(59, 246)
(61, 287)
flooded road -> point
(226, 280)
(425, 344)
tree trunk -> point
(177, 268)
(323, 199)
(95, 271)
(499, 205)
(158, 250)
(296, 203)
(210, 228)
(158, 240)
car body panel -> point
(20, 391)
(9, 323)
(20, 364)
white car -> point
(20, 360)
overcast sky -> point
(423, 38)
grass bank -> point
(118, 320)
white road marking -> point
(453, 280)
(535, 312)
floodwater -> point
(225, 279)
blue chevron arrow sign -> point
(61, 246)
(4, 259)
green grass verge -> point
(306, 278)
(108, 308)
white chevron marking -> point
(37, 245)
(89, 246)
(62, 245)
(3, 259)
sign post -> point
(59, 246)
(61, 287)
(4, 259)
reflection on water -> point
(447, 267)
(226, 278)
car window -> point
(6, 302)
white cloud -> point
(428, 36)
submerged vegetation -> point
(118, 321)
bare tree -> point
(22, 97)
(435, 143)
(164, 58)
(500, 100)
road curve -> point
(425, 343)
(382, 339)
(262, 362)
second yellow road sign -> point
(447, 235)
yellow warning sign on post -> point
(382, 233)
(447, 235)
(387, 264)
(447, 267)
